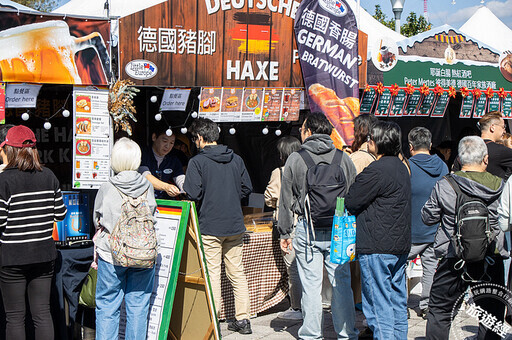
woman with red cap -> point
(30, 201)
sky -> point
(442, 12)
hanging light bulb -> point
(65, 113)
(25, 116)
(169, 132)
(153, 99)
(194, 114)
(158, 117)
(184, 130)
(265, 130)
(218, 127)
(47, 125)
(232, 130)
(278, 132)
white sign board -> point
(174, 100)
(21, 95)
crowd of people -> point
(404, 208)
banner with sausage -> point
(327, 39)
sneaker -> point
(290, 314)
(242, 326)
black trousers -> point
(448, 286)
(31, 281)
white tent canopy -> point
(489, 29)
(96, 8)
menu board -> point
(441, 105)
(480, 105)
(91, 138)
(291, 104)
(368, 100)
(412, 104)
(383, 104)
(272, 100)
(467, 106)
(427, 104)
(506, 107)
(209, 105)
(250, 104)
(493, 104)
(398, 104)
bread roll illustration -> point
(340, 112)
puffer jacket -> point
(440, 207)
(381, 200)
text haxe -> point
(247, 72)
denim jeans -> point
(311, 259)
(384, 294)
(116, 283)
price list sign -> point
(92, 138)
(507, 107)
(398, 104)
(493, 104)
(441, 105)
(480, 105)
(427, 104)
(209, 105)
(291, 105)
(367, 101)
(467, 106)
(231, 104)
(412, 104)
(272, 101)
(383, 104)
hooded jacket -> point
(381, 200)
(440, 207)
(293, 183)
(426, 170)
(107, 206)
(218, 180)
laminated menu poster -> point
(493, 103)
(251, 104)
(480, 106)
(398, 104)
(231, 105)
(368, 100)
(209, 105)
(412, 104)
(427, 104)
(383, 104)
(467, 106)
(506, 107)
(271, 108)
(441, 105)
(92, 137)
(291, 104)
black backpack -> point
(324, 182)
(473, 233)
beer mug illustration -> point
(45, 53)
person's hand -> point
(286, 245)
(172, 190)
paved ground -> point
(267, 326)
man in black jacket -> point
(218, 180)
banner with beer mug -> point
(43, 49)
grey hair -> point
(420, 138)
(472, 150)
(126, 155)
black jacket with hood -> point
(218, 180)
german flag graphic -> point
(254, 32)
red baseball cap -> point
(17, 135)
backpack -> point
(473, 233)
(133, 240)
(324, 183)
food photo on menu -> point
(83, 147)
(83, 104)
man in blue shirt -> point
(166, 170)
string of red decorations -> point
(380, 88)
(489, 93)
(452, 92)
(477, 93)
(394, 89)
(424, 90)
(438, 90)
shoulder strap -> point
(336, 159)
(307, 158)
(454, 185)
